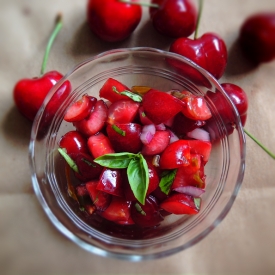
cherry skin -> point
(257, 37)
(29, 94)
(239, 98)
(209, 52)
(174, 18)
(112, 20)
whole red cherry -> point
(113, 20)
(29, 94)
(239, 98)
(174, 18)
(209, 52)
(257, 37)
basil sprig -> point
(167, 180)
(68, 159)
(133, 96)
(137, 170)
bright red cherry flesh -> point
(29, 94)
(209, 52)
(257, 37)
(174, 18)
(112, 20)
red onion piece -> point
(173, 136)
(190, 190)
(160, 127)
(147, 133)
(200, 134)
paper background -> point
(244, 243)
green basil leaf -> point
(197, 202)
(118, 130)
(68, 159)
(139, 209)
(167, 180)
(133, 96)
(116, 160)
(138, 176)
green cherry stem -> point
(260, 144)
(150, 5)
(198, 19)
(57, 28)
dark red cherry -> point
(74, 143)
(239, 98)
(182, 124)
(112, 20)
(29, 93)
(110, 181)
(88, 169)
(209, 52)
(257, 37)
(148, 214)
(174, 18)
(125, 137)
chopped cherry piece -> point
(201, 147)
(195, 107)
(118, 211)
(88, 169)
(100, 199)
(160, 106)
(80, 109)
(107, 90)
(123, 111)
(100, 145)
(74, 143)
(110, 181)
(142, 116)
(125, 137)
(158, 143)
(180, 204)
(182, 124)
(187, 176)
(175, 155)
(84, 199)
(148, 214)
(95, 121)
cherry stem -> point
(198, 19)
(57, 28)
(260, 144)
(150, 5)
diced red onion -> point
(200, 134)
(160, 127)
(173, 136)
(147, 133)
(190, 190)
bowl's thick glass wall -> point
(163, 71)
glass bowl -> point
(144, 67)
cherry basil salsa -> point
(135, 156)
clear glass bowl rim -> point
(134, 257)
